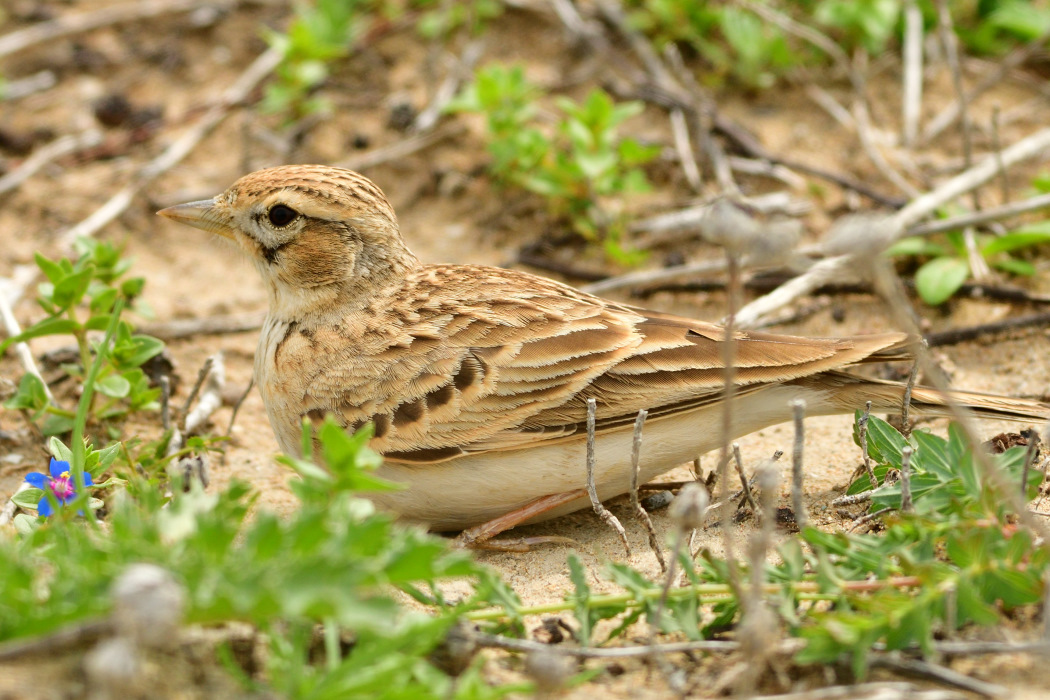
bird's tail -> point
(846, 393)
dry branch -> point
(23, 87)
(401, 149)
(636, 453)
(954, 336)
(172, 155)
(911, 102)
(938, 674)
(25, 356)
(836, 268)
(592, 489)
(949, 114)
(49, 153)
(212, 325)
(81, 22)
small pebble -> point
(657, 501)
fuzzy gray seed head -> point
(148, 605)
(689, 508)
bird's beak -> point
(204, 214)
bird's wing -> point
(517, 366)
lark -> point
(476, 379)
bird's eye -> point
(281, 215)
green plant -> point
(736, 43)
(440, 19)
(578, 169)
(334, 561)
(867, 23)
(956, 560)
(80, 296)
(994, 27)
(940, 277)
(321, 32)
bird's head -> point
(318, 235)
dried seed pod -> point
(114, 669)
(548, 669)
(863, 236)
(455, 652)
(689, 508)
(148, 605)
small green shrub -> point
(321, 32)
(577, 168)
(939, 278)
(81, 296)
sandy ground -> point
(190, 276)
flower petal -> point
(88, 480)
(36, 480)
(57, 467)
(44, 507)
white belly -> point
(471, 490)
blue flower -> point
(60, 484)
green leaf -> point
(136, 350)
(52, 270)
(59, 450)
(937, 280)
(581, 598)
(49, 326)
(1016, 240)
(1021, 268)
(25, 524)
(633, 153)
(115, 386)
(917, 246)
(594, 164)
(100, 460)
(885, 443)
(56, 425)
(31, 395)
(971, 607)
(579, 134)
(932, 453)
(28, 499)
(70, 290)
(102, 302)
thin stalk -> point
(84, 407)
(706, 593)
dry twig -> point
(41, 157)
(906, 504)
(25, 355)
(938, 674)
(862, 429)
(592, 490)
(81, 22)
(798, 407)
(172, 155)
(213, 380)
(951, 112)
(962, 335)
(911, 101)
(835, 268)
(636, 452)
(402, 149)
(738, 462)
(211, 325)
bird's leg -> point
(480, 536)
